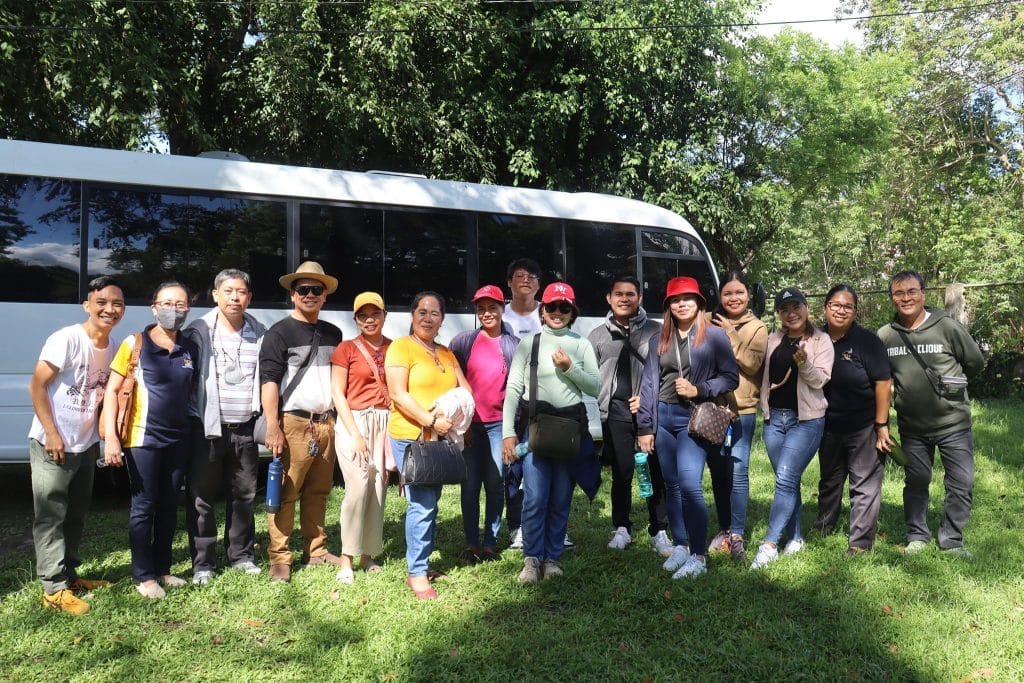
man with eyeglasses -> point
(295, 387)
(224, 457)
(932, 358)
(521, 314)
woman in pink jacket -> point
(798, 366)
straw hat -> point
(310, 270)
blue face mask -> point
(170, 318)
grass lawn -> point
(614, 616)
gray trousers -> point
(957, 453)
(222, 467)
(60, 496)
(853, 455)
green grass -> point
(614, 616)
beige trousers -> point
(362, 508)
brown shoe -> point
(65, 601)
(280, 573)
(81, 585)
(326, 558)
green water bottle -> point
(643, 475)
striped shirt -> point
(235, 364)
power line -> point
(506, 29)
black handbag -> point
(549, 436)
(433, 463)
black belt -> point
(236, 425)
(315, 417)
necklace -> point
(432, 350)
(233, 372)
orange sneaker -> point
(64, 600)
(81, 584)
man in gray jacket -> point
(932, 357)
(224, 456)
(621, 345)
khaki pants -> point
(362, 509)
(307, 479)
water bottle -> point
(728, 438)
(643, 475)
(522, 448)
(274, 473)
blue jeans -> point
(791, 443)
(155, 476)
(420, 516)
(484, 467)
(682, 464)
(742, 439)
(547, 495)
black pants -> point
(225, 466)
(852, 455)
(619, 448)
(720, 468)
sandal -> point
(433, 576)
(469, 556)
(346, 576)
(372, 568)
(489, 554)
(425, 594)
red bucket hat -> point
(558, 291)
(683, 285)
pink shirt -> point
(486, 374)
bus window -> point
(147, 237)
(39, 239)
(596, 253)
(426, 250)
(673, 243)
(349, 243)
(502, 239)
(659, 270)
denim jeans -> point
(547, 495)
(155, 476)
(742, 439)
(484, 467)
(682, 462)
(791, 443)
(957, 454)
(420, 516)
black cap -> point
(787, 295)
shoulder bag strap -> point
(534, 355)
(920, 361)
(358, 343)
(314, 345)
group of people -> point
(196, 401)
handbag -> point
(259, 428)
(125, 404)
(709, 421)
(549, 436)
(433, 463)
(943, 385)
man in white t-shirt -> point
(67, 387)
(521, 313)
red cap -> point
(489, 292)
(558, 291)
(683, 285)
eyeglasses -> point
(306, 290)
(907, 293)
(176, 305)
(524, 276)
(563, 308)
(837, 307)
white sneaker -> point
(793, 547)
(680, 554)
(693, 568)
(766, 554)
(201, 577)
(661, 544)
(516, 541)
(567, 544)
(620, 539)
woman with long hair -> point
(793, 401)
(690, 362)
(856, 423)
(730, 480)
(419, 371)
(156, 450)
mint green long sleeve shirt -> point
(559, 388)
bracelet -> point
(432, 423)
(879, 425)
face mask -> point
(170, 318)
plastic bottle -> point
(522, 448)
(643, 475)
(728, 438)
(274, 474)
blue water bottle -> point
(522, 448)
(274, 473)
(728, 438)
(643, 475)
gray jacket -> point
(205, 400)
(608, 339)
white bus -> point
(68, 214)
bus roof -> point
(273, 180)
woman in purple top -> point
(485, 355)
